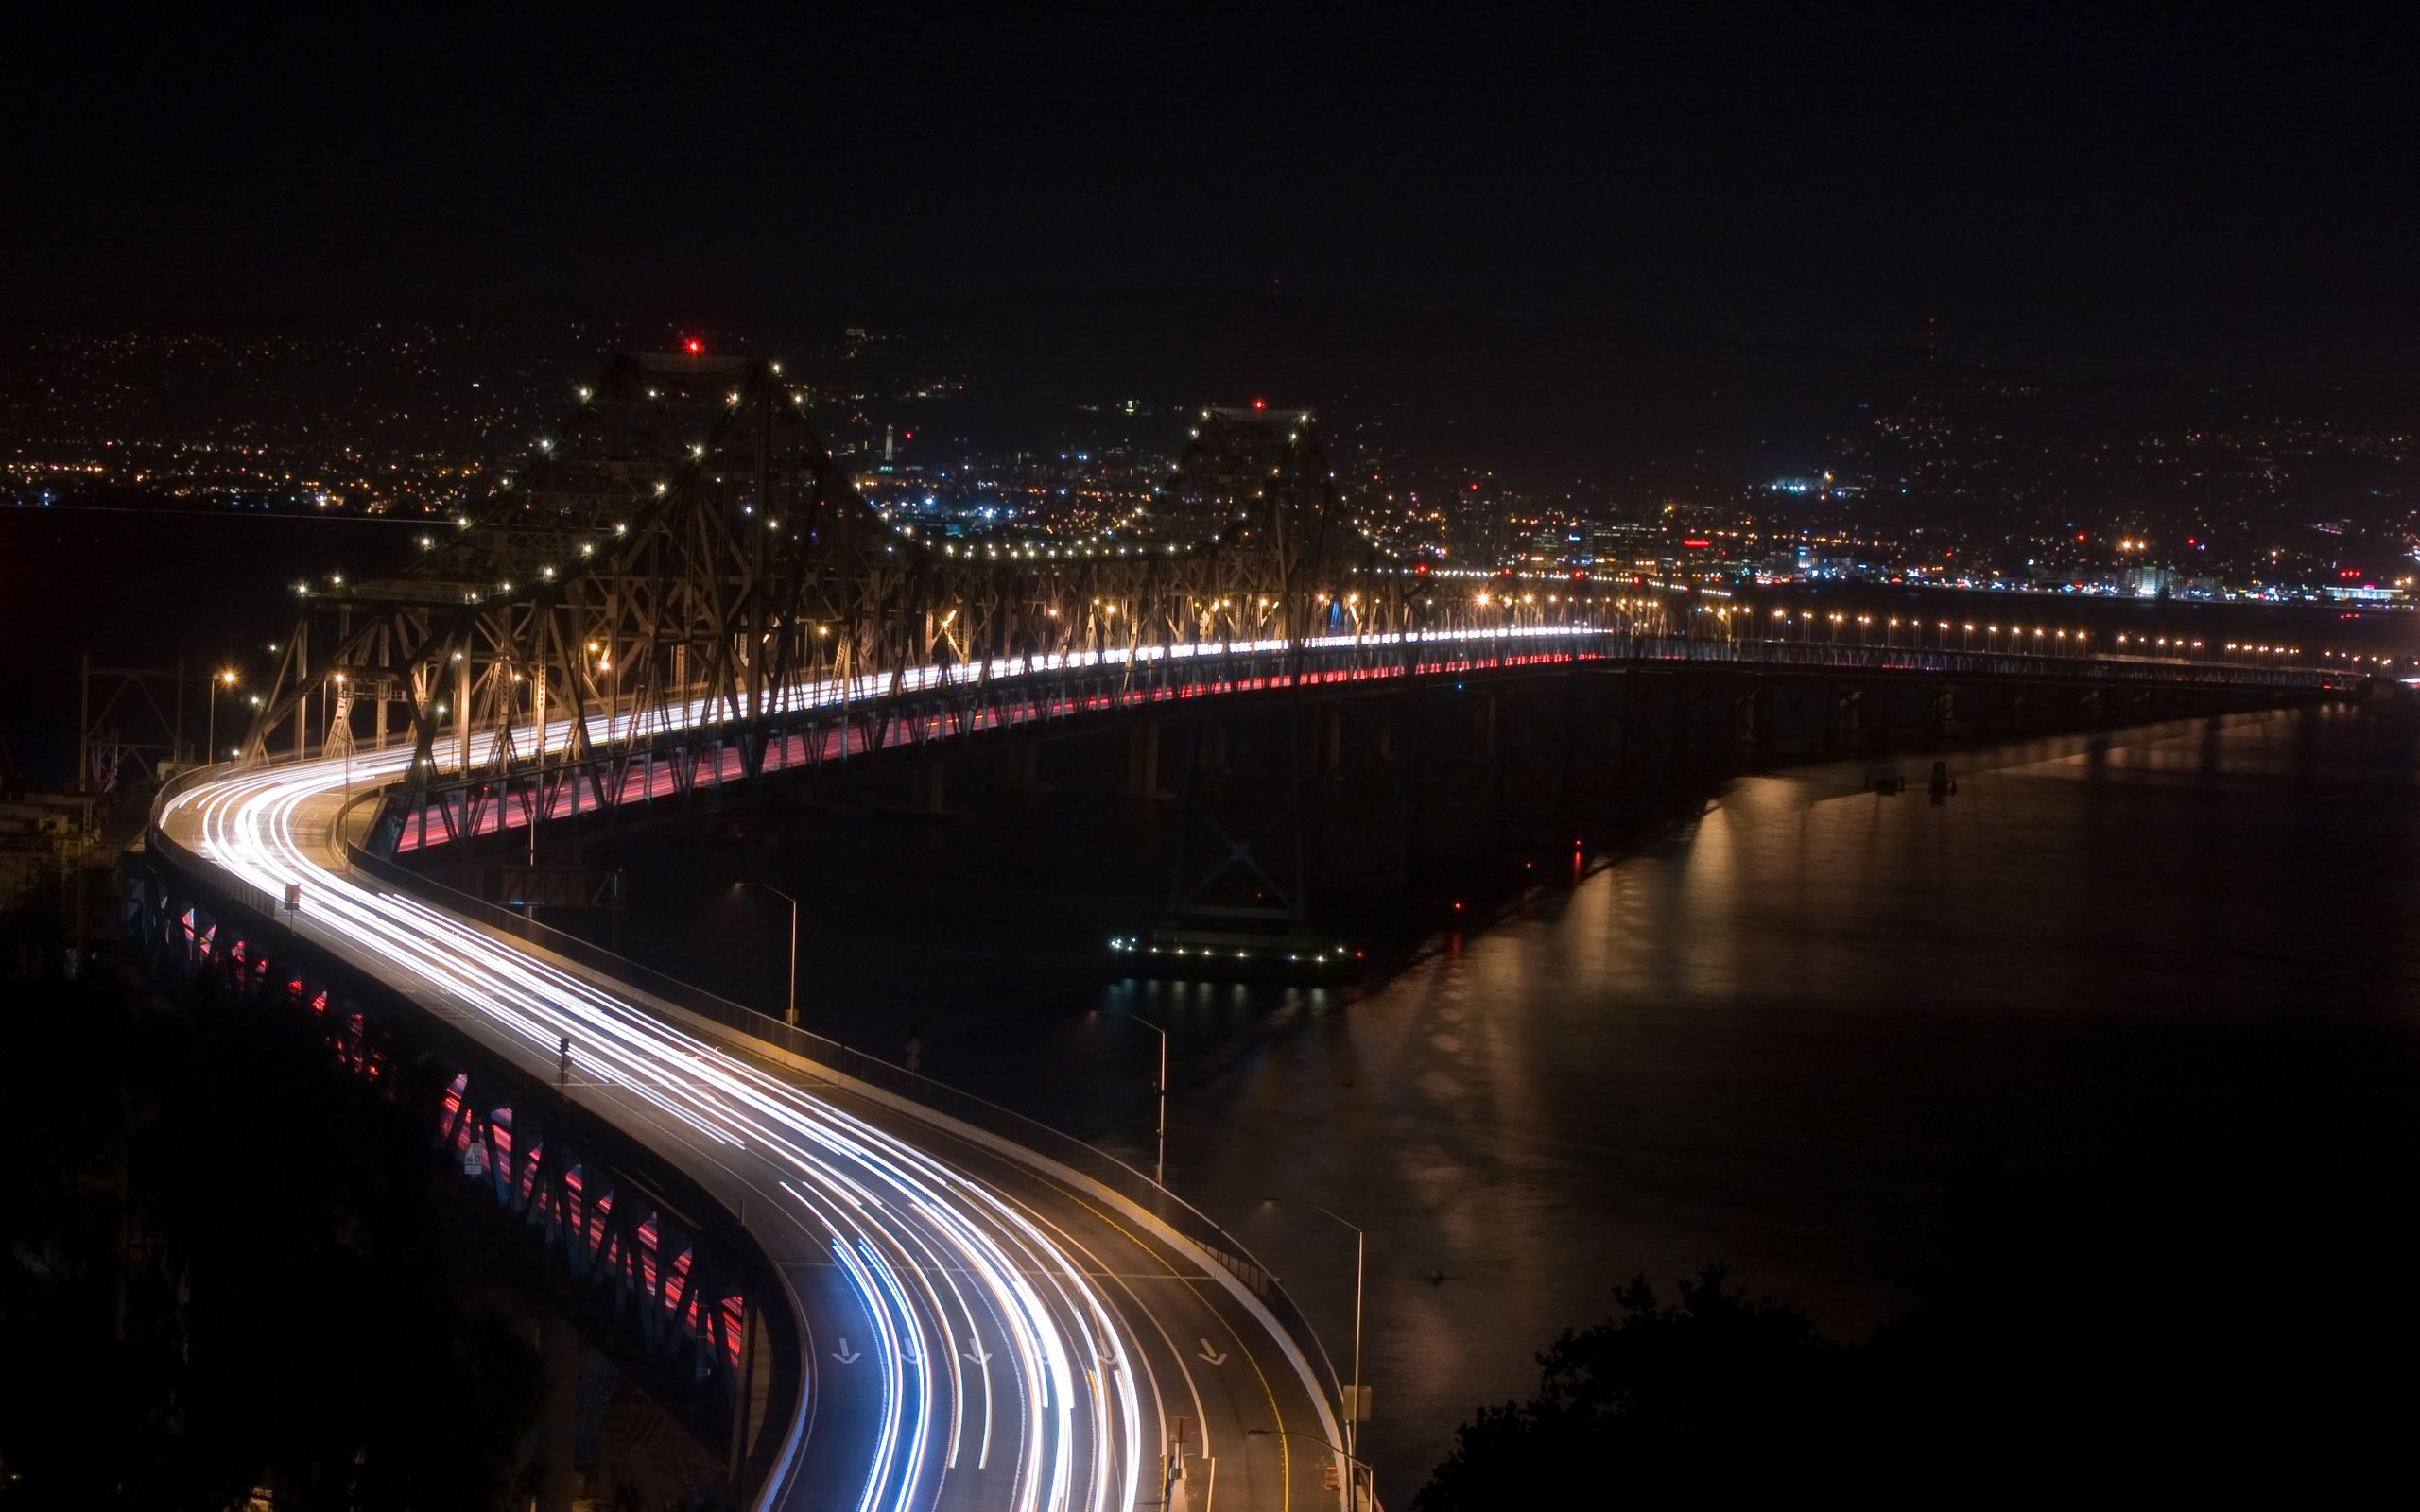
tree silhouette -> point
(1704, 1393)
(2218, 1327)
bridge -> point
(879, 1291)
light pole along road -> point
(1354, 1410)
(789, 1014)
(1160, 1171)
(983, 1329)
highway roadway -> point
(983, 1330)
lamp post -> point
(335, 701)
(1160, 1172)
(790, 1015)
(1360, 1252)
(1368, 1474)
(210, 738)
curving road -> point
(983, 1329)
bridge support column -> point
(462, 715)
(927, 785)
(1212, 754)
(1143, 763)
(559, 1355)
(1024, 770)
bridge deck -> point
(982, 1324)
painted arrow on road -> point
(1208, 1354)
(844, 1354)
(977, 1355)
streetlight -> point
(789, 1017)
(1160, 1173)
(337, 700)
(1369, 1475)
(210, 739)
(1360, 1252)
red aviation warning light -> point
(693, 346)
(1260, 404)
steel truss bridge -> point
(880, 1293)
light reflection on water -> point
(1770, 1038)
(1766, 1038)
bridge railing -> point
(641, 756)
(1076, 1155)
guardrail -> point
(1065, 1149)
(1076, 1155)
(665, 1187)
(671, 752)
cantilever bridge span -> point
(680, 590)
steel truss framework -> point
(629, 1240)
(683, 541)
(673, 763)
(682, 587)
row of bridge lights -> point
(1507, 601)
(1055, 552)
(2018, 635)
(1742, 620)
(2358, 658)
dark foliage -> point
(225, 1270)
(2222, 1330)
(1659, 1397)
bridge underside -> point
(1293, 793)
(614, 1238)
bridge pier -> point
(1210, 755)
(559, 1357)
(927, 785)
(1143, 763)
(1024, 770)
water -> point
(1769, 1038)
(1772, 1038)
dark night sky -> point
(2075, 192)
